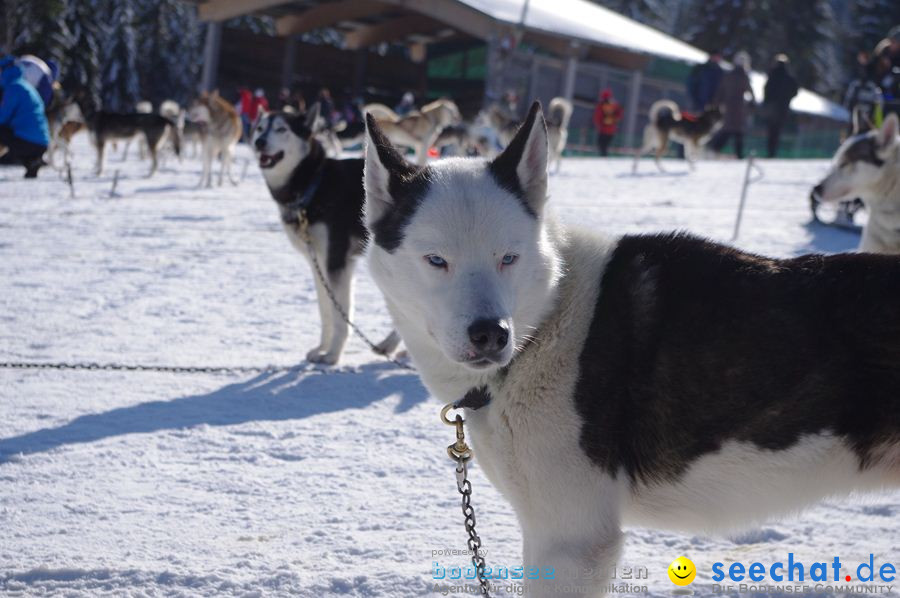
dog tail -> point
(176, 129)
(664, 111)
(381, 112)
(559, 112)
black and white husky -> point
(105, 126)
(330, 192)
(666, 122)
(653, 380)
(867, 166)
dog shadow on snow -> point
(829, 239)
(280, 396)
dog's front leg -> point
(154, 161)
(227, 162)
(661, 147)
(209, 154)
(225, 158)
(325, 308)
(101, 146)
(571, 565)
(691, 151)
(341, 282)
(389, 344)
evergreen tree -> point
(655, 13)
(81, 69)
(805, 31)
(726, 26)
(170, 50)
(872, 19)
(120, 91)
(39, 28)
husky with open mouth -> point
(653, 380)
(302, 179)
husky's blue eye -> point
(509, 259)
(436, 261)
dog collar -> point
(475, 399)
(307, 197)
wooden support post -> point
(568, 90)
(211, 56)
(360, 62)
(289, 61)
(631, 111)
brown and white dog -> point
(222, 126)
(419, 129)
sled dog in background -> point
(107, 126)
(419, 129)
(222, 127)
(559, 113)
(499, 118)
(142, 107)
(301, 177)
(654, 380)
(867, 166)
(666, 122)
(175, 113)
(67, 122)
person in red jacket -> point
(607, 115)
(243, 106)
(258, 104)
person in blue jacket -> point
(23, 125)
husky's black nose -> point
(260, 143)
(489, 336)
(817, 191)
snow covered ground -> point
(306, 482)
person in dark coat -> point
(732, 97)
(703, 81)
(326, 107)
(887, 64)
(863, 98)
(24, 132)
(781, 87)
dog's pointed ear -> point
(385, 171)
(312, 115)
(522, 167)
(887, 134)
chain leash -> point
(176, 369)
(125, 367)
(460, 453)
(303, 230)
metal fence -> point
(541, 77)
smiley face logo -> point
(682, 571)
